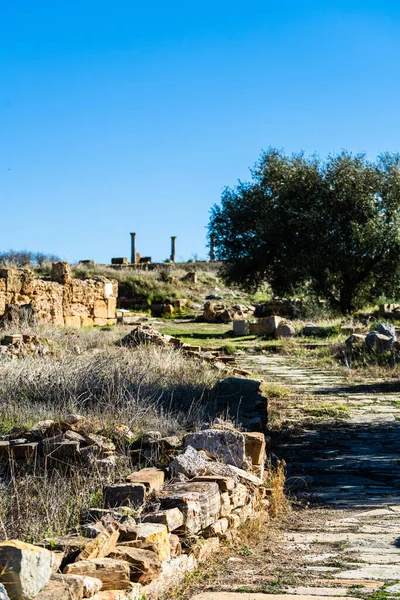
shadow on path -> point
(343, 464)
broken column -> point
(133, 248)
(173, 248)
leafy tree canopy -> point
(333, 226)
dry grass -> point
(279, 505)
(45, 504)
(148, 387)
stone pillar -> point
(212, 247)
(173, 242)
(133, 248)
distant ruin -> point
(60, 299)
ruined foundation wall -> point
(59, 299)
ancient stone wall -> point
(60, 299)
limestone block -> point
(79, 310)
(12, 279)
(239, 495)
(108, 290)
(127, 528)
(268, 325)
(111, 307)
(135, 592)
(172, 518)
(234, 520)
(114, 574)
(216, 529)
(71, 321)
(24, 569)
(60, 450)
(200, 503)
(175, 545)
(61, 273)
(206, 549)
(144, 564)
(225, 445)
(378, 342)
(157, 534)
(87, 321)
(124, 494)
(99, 441)
(173, 572)
(240, 327)
(91, 585)
(191, 463)
(224, 483)
(102, 544)
(99, 322)
(226, 505)
(285, 330)
(243, 512)
(112, 321)
(152, 479)
(255, 447)
(100, 309)
(25, 452)
(62, 587)
(214, 468)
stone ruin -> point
(153, 528)
(58, 299)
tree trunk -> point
(346, 300)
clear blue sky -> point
(127, 116)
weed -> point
(246, 551)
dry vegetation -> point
(90, 374)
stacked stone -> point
(134, 553)
(62, 300)
(60, 445)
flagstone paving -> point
(343, 474)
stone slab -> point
(386, 572)
(257, 596)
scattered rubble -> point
(20, 345)
(147, 334)
(384, 339)
(219, 313)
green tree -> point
(333, 226)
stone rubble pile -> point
(219, 313)
(147, 334)
(19, 345)
(154, 527)
(60, 444)
(273, 326)
(384, 339)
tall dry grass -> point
(147, 388)
(89, 373)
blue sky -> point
(133, 116)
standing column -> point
(173, 242)
(133, 248)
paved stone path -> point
(343, 471)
